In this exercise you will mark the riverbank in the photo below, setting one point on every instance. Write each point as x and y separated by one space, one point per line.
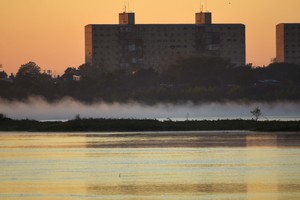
129 125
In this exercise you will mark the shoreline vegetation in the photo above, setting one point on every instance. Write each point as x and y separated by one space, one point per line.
195 79
146 125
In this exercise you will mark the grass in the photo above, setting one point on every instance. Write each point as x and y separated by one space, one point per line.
127 125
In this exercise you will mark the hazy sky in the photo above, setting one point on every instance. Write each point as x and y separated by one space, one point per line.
51 32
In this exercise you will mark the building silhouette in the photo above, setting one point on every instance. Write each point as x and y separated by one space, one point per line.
133 46
288 43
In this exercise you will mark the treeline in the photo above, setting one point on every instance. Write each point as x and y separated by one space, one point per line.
129 125
194 79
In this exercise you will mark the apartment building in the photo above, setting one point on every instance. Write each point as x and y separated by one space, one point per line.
133 46
288 43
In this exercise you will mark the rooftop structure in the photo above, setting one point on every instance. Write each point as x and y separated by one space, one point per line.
203 18
132 46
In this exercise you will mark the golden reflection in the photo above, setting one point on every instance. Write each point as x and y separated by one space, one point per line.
171 172
262 175
42 187
149 166
42 140
167 140
261 140
171 189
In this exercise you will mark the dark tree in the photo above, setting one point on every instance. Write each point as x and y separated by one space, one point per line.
3 74
256 112
28 73
91 72
69 73
199 71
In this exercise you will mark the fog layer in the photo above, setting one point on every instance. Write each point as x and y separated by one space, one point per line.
38 109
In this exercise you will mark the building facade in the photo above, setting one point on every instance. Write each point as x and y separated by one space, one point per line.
288 43
132 46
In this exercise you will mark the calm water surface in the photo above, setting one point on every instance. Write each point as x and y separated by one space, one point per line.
182 165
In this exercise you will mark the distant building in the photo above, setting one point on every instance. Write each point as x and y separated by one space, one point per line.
288 43
76 78
132 46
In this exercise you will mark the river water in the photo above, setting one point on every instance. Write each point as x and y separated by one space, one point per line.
144 166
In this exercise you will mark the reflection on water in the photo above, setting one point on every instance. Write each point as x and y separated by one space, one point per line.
189 165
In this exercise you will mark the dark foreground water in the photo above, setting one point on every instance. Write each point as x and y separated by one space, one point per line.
183 165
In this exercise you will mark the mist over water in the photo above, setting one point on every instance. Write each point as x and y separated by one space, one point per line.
39 109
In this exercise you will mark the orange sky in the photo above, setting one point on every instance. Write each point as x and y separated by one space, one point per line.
51 32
